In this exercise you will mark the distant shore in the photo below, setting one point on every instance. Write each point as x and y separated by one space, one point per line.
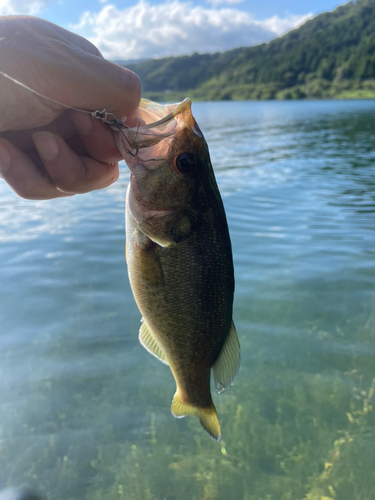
329 57
314 89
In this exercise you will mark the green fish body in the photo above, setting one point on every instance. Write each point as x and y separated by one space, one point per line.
180 259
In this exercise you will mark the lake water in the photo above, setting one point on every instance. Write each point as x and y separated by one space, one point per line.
85 410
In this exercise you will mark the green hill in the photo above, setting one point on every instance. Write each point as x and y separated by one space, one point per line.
332 55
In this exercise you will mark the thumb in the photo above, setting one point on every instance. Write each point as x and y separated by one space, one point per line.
106 85
62 66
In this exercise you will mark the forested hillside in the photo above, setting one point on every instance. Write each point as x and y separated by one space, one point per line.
332 55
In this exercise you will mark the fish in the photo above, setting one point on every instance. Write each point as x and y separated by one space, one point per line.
179 256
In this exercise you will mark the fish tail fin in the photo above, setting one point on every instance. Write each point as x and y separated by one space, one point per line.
207 416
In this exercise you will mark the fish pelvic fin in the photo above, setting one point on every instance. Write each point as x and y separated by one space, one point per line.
225 369
207 416
149 342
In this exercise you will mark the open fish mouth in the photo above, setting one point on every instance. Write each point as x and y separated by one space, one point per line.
159 122
150 141
165 123
154 114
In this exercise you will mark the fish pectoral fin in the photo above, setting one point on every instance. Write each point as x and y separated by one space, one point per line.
207 416
225 369
147 339
148 262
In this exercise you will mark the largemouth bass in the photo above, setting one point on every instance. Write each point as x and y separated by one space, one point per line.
179 257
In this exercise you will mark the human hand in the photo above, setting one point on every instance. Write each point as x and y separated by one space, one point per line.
46 150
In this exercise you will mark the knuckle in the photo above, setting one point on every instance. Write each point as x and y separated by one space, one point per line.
115 174
67 184
25 195
112 176
25 192
89 177
68 179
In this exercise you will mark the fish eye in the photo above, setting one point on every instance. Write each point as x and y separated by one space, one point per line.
185 162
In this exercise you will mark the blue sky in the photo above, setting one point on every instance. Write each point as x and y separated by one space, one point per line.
134 29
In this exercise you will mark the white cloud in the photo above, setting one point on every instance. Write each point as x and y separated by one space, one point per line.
215 3
25 7
175 28
281 26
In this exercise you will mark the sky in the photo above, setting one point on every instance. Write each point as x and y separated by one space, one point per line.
140 29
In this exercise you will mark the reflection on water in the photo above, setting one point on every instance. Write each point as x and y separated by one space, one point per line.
85 410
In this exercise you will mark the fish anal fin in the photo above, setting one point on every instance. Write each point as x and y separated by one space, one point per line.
147 339
207 416
225 369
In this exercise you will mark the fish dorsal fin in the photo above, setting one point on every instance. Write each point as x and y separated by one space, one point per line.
226 367
147 339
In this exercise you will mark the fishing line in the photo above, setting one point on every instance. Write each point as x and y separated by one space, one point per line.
101 115
104 116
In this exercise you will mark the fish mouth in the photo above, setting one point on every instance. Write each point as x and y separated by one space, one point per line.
150 111
140 208
159 124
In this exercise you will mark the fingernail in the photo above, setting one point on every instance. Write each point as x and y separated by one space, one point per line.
5 157
82 122
46 145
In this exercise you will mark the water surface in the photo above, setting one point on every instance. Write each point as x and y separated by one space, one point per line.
85 410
